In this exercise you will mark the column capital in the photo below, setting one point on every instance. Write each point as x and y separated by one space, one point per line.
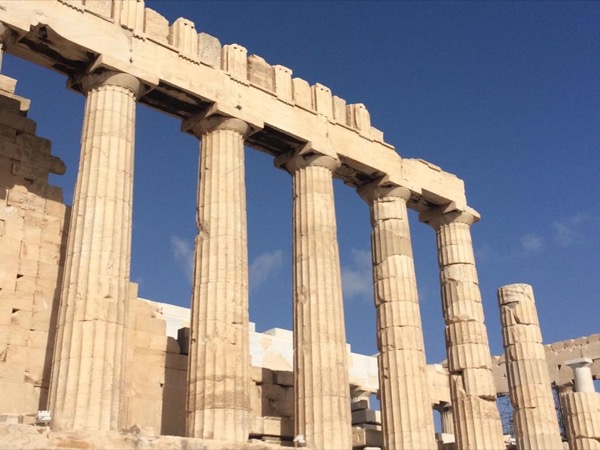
200 125
442 406
99 78
447 214
382 188
582 374
579 362
306 157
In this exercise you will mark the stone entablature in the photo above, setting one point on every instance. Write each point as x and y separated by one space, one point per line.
188 73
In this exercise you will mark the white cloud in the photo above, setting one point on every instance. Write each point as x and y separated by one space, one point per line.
485 253
531 243
565 230
357 277
264 266
183 253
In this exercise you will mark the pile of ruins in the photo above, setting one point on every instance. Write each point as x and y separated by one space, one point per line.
85 363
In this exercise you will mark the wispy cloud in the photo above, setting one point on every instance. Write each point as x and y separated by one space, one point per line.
485 253
357 277
183 253
566 230
264 266
532 243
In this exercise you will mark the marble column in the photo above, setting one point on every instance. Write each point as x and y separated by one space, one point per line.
407 418
581 408
446 417
218 398
86 386
473 393
535 420
321 385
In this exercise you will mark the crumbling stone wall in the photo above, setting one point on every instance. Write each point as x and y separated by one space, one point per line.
32 221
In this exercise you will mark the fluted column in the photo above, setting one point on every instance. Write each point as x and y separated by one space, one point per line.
218 398
321 386
581 408
476 419
86 386
535 420
447 419
406 413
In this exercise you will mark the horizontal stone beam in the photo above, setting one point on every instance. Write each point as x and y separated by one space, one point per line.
187 73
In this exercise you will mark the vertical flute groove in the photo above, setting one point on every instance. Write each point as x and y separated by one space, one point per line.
87 370
321 386
218 376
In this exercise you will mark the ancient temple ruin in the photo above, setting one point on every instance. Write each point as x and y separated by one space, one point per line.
90 363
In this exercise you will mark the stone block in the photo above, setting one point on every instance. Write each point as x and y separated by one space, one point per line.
27 275
26 286
521 334
19 302
284 378
38 339
209 50
362 437
464 356
16 355
10 373
151 325
272 426
148 340
377 134
55 209
100 7
256 375
183 36
360 404
21 318
361 416
10 104
156 26
339 110
183 339
302 93
32 142
5 314
260 73
17 122
468 332
234 61
176 362
276 400
358 117
18 397
173 418
7 84
479 382
145 413
322 100
283 83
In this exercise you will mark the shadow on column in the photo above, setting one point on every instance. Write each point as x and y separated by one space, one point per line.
174 390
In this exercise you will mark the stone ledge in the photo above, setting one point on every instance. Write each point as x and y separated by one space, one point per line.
28 437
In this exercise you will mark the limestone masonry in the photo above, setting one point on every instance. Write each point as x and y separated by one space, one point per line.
86 363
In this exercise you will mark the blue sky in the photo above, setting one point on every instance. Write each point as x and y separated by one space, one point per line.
504 95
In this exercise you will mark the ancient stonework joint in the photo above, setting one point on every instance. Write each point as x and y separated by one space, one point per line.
307 157
102 77
200 125
448 214
382 188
